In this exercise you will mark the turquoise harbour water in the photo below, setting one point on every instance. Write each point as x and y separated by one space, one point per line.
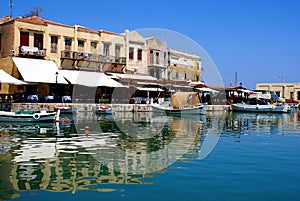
143 156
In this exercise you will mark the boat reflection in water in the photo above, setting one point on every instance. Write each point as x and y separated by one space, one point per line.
238 123
97 150
119 149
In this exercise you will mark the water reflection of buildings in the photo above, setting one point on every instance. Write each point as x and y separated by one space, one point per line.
260 123
120 150
87 160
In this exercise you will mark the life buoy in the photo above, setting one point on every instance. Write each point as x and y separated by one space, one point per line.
36 116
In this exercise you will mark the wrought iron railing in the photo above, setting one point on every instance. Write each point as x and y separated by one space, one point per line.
91 57
31 51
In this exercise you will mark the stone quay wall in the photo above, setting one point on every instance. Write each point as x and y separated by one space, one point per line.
89 107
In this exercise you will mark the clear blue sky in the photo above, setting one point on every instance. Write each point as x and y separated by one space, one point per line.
258 39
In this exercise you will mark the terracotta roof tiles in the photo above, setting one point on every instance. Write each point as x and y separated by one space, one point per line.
38 20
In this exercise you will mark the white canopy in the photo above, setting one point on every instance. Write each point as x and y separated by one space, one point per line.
149 89
8 79
206 89
133 76
90 79
38 70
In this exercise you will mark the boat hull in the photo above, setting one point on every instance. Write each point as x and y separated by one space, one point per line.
259 108
197 110
36 117
105 111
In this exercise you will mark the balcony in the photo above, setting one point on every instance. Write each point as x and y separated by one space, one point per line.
83 56
157 64
185 66
32 52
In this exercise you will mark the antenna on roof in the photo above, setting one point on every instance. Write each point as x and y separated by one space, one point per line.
11 7
235 78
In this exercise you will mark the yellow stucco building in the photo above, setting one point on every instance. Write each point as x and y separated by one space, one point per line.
284 90
80 48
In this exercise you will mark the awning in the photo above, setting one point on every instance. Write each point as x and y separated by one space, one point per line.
90 79
8 79
149 89
206 89
133 76
38 70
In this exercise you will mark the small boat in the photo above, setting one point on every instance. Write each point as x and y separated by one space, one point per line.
28 116
260 103
182 103
272 108
105 110
66 109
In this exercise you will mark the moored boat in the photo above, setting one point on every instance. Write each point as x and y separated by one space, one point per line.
105 110
243 107
66 109
28 116
261 103
182 103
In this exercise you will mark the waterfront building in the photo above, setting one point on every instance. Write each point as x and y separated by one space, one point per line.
49 46
284 90
158 58
52 49
136 56
184 66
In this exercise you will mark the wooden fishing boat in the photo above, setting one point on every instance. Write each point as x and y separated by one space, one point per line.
182 103
28 116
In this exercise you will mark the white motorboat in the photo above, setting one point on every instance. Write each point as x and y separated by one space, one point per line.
260 103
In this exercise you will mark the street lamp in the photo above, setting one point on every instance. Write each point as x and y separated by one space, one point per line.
56 89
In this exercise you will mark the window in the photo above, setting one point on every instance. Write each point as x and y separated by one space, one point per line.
151 56
174 60
197 66
152 72
139 54
105 49
93 46
68 43
54 40
184 62
24 38
157 57
177 75
38 41
117 51
158 73
81 45
131 50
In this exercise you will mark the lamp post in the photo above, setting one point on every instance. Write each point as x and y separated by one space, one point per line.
56 89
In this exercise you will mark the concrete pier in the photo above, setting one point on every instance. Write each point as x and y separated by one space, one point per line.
88 107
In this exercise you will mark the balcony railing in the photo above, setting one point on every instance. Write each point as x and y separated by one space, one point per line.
185 66
83 56
158 65
31 51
